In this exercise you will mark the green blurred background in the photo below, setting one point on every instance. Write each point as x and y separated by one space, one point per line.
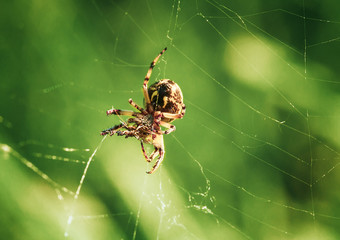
255 157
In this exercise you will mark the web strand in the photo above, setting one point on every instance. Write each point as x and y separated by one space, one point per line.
76 195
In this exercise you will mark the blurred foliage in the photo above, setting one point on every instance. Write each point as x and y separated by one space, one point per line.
255 157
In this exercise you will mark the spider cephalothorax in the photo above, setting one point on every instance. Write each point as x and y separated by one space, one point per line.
163 104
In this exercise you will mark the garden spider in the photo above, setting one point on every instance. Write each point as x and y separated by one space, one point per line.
163 104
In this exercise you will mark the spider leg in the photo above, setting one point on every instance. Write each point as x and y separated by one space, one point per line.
134 120
112 130
147 77
174 115
127 133
170 127
183 110
115 129
159 160
135 105
156 122
121 112
151 157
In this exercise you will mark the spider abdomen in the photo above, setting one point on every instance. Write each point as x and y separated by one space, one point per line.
166 96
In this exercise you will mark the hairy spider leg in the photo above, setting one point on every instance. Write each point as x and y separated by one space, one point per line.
135 105
170 127
156 122
127 133
120 112
112 130
152 155
134 120
174 115
158 162
183 110
147 77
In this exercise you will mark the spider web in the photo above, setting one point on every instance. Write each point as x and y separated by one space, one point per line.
255 157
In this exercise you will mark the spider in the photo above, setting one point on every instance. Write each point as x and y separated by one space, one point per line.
163 104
